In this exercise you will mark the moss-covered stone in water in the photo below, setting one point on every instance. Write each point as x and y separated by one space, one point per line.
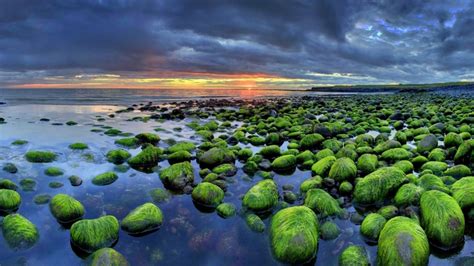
321 202
376 186
28 184
75 180
396 154
323 166
437 154
151 138
41 199
294 235
436 167
428 143
345 188
311 141
147 158
159 195
403 242
145 218
53 171
313 182
329 230
40 156
216 156
107 257
463 192
408 194
104 179
182 146
442 219
387 145
177 176
78 146
372 225
463 153
404 165
354 255
343 169
452 140
10 168
262 197
271 151
304 157
458 171
388 211
207 195
19 232
90 235
66 209
128 142
226 210
367 163
179 156
7 184
118 156
19 142
284 163
255 223
226 169
10 200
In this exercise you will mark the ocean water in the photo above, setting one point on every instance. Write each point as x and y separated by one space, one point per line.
187 236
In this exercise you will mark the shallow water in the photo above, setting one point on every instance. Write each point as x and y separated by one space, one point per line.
187 236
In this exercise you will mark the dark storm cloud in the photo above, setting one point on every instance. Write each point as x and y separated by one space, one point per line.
325 41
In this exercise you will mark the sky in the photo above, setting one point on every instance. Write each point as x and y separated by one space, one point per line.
283 44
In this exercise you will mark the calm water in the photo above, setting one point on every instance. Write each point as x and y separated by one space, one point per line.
187 236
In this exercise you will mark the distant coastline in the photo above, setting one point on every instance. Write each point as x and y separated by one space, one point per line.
399 88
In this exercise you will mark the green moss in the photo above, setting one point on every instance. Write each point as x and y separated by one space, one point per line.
19 232
343 169
128 142
442 219
28 184
436 167
207 195
376 186
430 181
437 154
402 242
71 123
90 235
463 153
182 146
78 146
323 166
294 235
428 143
159 195
406 166
75 180
147 158
348 152
180 156
19 142
387 145
313 182
226 169
304 157
262 197
112 132
322 203
329 230
354 255
41 199
345 188
118 156
216 156
284 163
388 211
323 153
255 223
151 138
10 168
226 210
367 163
53 171
463 192
40 156
177 176
244 154
271 151
458 171
418 161
104 179
10 200
55 184
7 184
145 218
66 209
408 194
396 154
372 226
311 141
107 257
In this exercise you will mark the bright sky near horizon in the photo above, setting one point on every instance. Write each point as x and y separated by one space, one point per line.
233 44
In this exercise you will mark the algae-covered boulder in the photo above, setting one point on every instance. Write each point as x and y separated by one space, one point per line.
182 146
396 154
40 156
177 176
255 223
372 226
463 153
367 163
19 232
442 219
284 163
311 141
294 235
107 257
226 210
128 142
463 192
226 169
104 179
207 195
90 235
321 202
10 200
78 146
387 145
262 197
53 171
148 138
376 186
329 230
118 156
66 209
458 171
10 168
313 182
8 184
436 167
271 151
180 156
323 166
428 143
216 156
404 165
343 169
452 140
408 194
403 242
354 255
145 218
147 158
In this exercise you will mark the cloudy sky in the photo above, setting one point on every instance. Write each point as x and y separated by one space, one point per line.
233 44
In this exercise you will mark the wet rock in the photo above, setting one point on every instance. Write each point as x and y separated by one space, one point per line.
143 219
90 235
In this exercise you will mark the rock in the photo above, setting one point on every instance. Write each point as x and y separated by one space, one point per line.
207 195
311 141
41 199
104 179
159 195
107 257
10 200
143 219
313 182
323 166
179 156
403 242
321 202
367 163
376 186
255 223
463 153
271 151
442 219
182 146
90 235
75 180
216 156
343 169
354 255
262 197
177 176
388 211
387 145
329 231
284 163
7 184
128 142
294 235
396 154
458 171
118 156
408 194
436 167
345 188
150 138
53 171
78 146
226 169
452 140
10 168
19 232
428 143
404 165
147 158
226 210
66 209
463 192
372 226
28 184
40 156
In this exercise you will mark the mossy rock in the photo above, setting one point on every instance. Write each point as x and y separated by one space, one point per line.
41 199
387 145
323 166
404 165
294 235
437 154
90 235
408 194
40 156
378 185
463 192
323 153
226 169
19 232
226 210
427 144
7 184
442 219
436 167
284 163
311 141
322 203
118 156
403 242
53 171
271 151
207 194
372 226
159 195
107 257
329 231
388 211
430 182
128 142
345 188
304 157
28 184
19 142
216 156
463 153
343 169
354 255
104 179
255 223
452 140
75 180
313 182
458 171
181 146
143 219
179 156
147 158
66 209
151 138
10 168
78 146
396 154
262 197
10 200
367 163
177 176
